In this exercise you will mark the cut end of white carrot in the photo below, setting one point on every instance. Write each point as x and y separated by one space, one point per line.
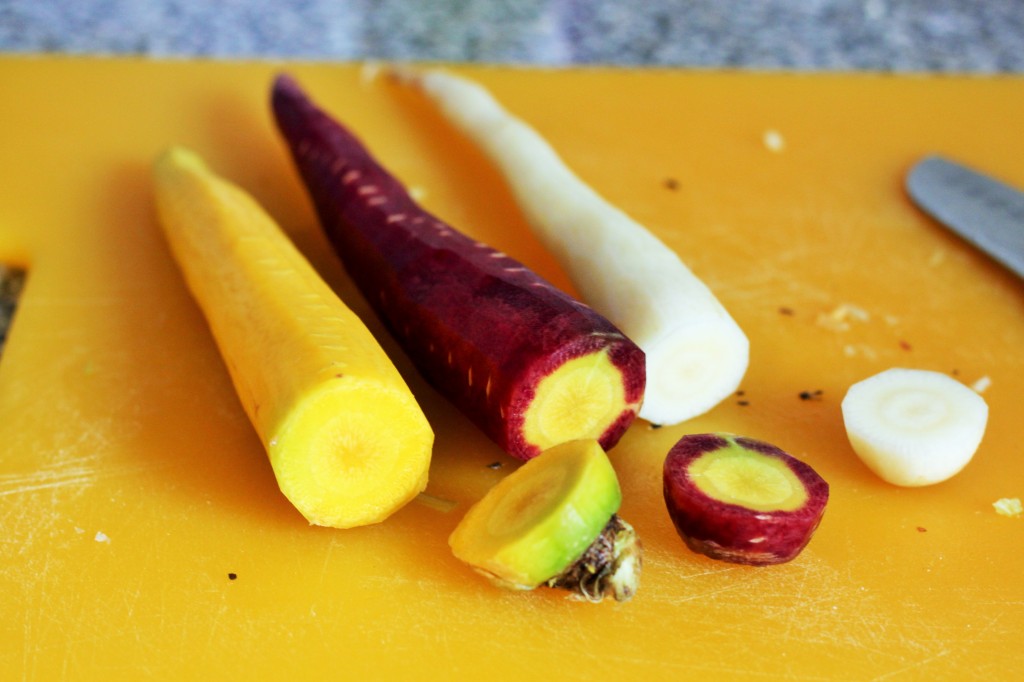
914 427
693 369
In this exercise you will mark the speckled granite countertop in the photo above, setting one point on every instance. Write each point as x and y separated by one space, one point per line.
945 36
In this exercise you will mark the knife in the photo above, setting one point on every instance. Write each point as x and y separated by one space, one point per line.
982 210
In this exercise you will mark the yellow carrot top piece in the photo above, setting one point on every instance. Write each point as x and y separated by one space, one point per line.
348 442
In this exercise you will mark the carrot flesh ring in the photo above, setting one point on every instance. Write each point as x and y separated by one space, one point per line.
527 363
348 443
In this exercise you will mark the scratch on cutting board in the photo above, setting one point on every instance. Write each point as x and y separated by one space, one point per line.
51 477
912 666
815 606
75 473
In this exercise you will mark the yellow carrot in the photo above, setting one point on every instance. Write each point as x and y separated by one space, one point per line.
347 440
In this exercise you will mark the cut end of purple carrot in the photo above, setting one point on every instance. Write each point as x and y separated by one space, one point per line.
594 395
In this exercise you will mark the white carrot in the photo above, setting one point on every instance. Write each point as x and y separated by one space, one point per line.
696 353
914 427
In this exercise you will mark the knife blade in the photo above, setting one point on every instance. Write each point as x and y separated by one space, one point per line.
982 210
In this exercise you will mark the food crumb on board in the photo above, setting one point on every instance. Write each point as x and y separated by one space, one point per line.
232 576
863 350
838 319
937 258
671 184
922 529
773 141
370 71
982 384
494 466
1008 506
102 537
811 395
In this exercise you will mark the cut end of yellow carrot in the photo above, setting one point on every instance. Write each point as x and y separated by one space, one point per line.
352 455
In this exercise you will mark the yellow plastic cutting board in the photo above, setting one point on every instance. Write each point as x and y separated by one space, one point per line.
143 535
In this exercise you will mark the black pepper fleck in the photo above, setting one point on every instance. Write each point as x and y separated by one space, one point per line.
232 576
672 184
810 395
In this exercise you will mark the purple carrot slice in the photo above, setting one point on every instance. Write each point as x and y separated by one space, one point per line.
527 363
742 500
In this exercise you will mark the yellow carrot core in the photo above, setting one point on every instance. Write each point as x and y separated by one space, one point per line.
580 399
735 475
340 463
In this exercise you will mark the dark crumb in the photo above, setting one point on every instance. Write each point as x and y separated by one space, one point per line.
811 395
232 576
741 392
904 345
672 184
922 529
12 280
654 426
785 310
743 403
494 465
955 372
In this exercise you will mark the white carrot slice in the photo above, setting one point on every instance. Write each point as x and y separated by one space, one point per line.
696 353
914 427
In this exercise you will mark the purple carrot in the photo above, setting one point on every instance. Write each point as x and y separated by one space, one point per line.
526 362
